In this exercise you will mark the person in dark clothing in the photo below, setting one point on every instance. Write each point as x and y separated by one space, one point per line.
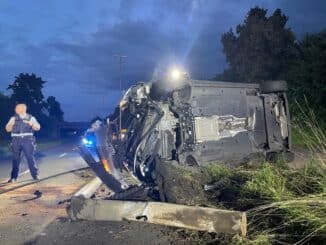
21 126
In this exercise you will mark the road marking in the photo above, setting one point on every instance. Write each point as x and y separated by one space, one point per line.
23 173
62 155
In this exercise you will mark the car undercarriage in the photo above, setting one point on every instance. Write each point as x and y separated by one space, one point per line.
188 123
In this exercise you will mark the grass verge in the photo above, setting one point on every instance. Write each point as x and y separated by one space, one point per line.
283 205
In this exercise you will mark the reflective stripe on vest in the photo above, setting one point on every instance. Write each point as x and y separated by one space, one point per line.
21 135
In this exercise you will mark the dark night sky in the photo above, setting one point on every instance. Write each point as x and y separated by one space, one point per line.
71 43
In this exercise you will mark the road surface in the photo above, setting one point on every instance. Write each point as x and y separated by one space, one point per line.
26 219
42 157
22 215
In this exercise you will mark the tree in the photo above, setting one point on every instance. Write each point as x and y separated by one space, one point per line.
28 89
54 108
260 49
5 113
307 75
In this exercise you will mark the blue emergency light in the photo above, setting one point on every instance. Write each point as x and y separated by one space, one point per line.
88 142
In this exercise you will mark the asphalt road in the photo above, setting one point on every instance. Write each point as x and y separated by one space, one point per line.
26 218
23 215
45 157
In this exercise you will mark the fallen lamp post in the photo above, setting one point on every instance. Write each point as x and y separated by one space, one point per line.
188 217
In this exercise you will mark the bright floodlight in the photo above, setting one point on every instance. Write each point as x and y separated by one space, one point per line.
176 74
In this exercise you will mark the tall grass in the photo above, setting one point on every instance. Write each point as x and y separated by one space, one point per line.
309 132
283 205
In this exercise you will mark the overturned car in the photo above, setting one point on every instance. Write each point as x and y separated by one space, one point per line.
189 123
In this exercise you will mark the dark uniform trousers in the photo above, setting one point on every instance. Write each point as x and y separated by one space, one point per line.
27 146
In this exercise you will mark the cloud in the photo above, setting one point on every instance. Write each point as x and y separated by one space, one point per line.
141 41
72 44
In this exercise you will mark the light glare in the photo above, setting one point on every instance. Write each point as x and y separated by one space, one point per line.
175 74
87 142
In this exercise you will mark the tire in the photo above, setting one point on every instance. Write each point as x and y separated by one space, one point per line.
273 86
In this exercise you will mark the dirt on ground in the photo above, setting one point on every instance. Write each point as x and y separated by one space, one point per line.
27 206
182 185
26 211
62 231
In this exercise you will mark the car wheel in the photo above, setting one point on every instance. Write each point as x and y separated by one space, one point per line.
273 86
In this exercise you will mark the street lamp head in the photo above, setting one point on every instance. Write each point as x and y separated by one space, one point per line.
177 74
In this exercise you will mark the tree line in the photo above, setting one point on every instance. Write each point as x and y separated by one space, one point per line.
264 48
27 88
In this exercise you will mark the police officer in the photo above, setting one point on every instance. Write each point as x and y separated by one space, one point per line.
21 126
